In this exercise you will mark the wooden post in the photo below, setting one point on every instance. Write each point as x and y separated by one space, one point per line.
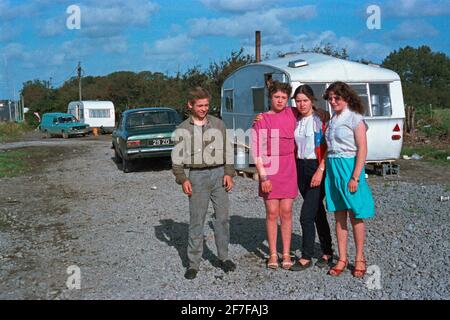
258 46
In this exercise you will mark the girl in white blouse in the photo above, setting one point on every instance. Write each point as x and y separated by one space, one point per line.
347 192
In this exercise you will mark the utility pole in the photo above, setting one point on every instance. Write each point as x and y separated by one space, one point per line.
9 107
79 79
20 107
16 111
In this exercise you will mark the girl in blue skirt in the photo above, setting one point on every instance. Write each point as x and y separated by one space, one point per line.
347 192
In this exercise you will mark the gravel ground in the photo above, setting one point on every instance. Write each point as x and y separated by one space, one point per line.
128 232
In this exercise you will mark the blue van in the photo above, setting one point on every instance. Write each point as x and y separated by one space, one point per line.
62 124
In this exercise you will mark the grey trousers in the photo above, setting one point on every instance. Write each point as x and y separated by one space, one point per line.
207 184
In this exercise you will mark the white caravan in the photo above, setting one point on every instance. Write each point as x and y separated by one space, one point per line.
97 114
244 94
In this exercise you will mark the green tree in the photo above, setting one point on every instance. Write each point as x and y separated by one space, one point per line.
219 71
425 76
329 50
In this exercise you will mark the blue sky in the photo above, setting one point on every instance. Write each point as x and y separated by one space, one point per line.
174 35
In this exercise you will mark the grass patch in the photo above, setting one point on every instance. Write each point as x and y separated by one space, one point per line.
18 162
12 163
12 131
434 124
429 153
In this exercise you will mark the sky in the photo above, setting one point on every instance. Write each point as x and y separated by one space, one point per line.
45 39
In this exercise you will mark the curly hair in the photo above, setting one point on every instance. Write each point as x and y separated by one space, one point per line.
276 86
349 95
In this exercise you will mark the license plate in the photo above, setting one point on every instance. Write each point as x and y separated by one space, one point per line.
159 142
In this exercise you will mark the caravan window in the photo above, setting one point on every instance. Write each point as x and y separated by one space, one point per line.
99 113
229 102
258 99
380 100
361 90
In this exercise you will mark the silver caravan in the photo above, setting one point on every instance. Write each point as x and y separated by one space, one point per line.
244 94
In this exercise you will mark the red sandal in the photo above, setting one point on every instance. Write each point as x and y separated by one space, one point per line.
359 273
335 272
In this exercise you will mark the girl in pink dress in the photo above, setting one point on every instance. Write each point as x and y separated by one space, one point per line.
273 148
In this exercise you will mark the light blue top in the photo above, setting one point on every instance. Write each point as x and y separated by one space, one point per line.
340 134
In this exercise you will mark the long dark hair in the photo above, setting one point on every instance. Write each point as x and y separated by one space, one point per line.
349 95
306 90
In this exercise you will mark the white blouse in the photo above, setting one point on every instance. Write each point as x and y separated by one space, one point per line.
340 134
304 138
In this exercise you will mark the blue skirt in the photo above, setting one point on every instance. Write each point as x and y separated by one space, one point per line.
337 195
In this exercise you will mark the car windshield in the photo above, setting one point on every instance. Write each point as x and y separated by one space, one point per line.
67 119
151 118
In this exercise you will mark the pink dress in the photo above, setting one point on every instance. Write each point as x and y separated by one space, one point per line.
273 141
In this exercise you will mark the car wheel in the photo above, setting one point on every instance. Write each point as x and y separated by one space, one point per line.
47 134
65 135
126 166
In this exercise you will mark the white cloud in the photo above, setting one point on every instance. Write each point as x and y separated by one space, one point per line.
8 32
80 48
412 30
67 53
15 51
169 46
52 27
10 11
269 21
416 8
109 18
238 5
171 53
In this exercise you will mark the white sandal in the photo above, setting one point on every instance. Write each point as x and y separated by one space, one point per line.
286 265
273 265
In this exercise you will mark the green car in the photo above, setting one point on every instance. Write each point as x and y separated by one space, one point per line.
63 124
144 133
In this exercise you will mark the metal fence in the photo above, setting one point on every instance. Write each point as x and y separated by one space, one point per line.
10 111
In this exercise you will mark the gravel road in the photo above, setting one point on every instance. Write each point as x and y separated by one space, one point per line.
127 235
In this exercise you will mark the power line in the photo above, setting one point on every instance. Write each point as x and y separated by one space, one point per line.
67 78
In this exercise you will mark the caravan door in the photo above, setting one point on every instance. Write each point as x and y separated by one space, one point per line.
76 109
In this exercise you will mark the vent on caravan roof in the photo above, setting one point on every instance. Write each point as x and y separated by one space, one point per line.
297 63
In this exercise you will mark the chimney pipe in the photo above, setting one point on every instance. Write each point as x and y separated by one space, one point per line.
258 46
